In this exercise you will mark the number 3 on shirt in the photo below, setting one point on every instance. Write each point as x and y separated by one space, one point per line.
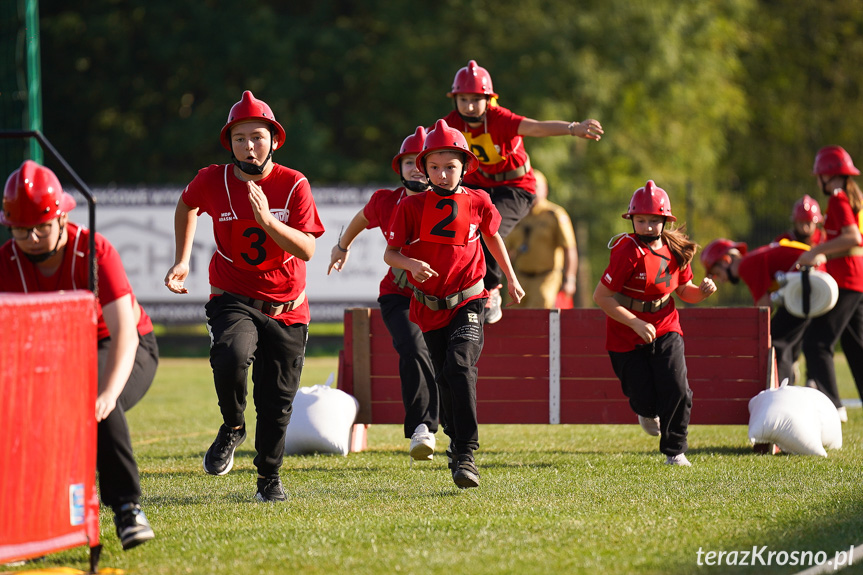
253 249
446 220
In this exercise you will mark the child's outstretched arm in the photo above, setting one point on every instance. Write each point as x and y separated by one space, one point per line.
691 293
497 248
604 298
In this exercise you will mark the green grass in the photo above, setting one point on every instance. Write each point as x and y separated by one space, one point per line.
553 499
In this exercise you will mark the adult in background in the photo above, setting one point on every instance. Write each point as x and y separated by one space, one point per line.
47 253
495 135
805 223
543 251
728 261
844 261
416 375
265 223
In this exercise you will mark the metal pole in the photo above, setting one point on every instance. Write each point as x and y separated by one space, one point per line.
34 75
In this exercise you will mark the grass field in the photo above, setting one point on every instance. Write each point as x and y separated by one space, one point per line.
553 499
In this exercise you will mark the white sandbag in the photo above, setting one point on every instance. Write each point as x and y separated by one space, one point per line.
800 420
321 421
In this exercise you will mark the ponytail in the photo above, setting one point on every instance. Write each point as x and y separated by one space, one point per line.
679 244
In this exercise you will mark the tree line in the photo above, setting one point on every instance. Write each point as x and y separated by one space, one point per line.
722 103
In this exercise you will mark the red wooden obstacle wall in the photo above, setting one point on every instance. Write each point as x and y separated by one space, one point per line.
550 366
48 380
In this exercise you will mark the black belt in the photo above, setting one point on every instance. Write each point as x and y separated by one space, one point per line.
506 176
450 301
641 305
267 307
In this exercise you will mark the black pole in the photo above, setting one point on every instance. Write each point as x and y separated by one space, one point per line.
79 184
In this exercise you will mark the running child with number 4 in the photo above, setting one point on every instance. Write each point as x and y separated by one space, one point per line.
644 338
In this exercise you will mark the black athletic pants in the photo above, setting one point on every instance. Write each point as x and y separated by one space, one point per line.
454 350
513 204
419 390
119 481
243 337
653 377
787 332
843 323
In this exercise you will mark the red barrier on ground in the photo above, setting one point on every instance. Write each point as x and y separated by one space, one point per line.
48 381
550 366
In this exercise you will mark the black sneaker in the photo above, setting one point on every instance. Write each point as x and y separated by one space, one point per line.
451 456
270 489
132 526
220 457
465 473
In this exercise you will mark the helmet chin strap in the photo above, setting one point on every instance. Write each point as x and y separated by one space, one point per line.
39 258
250 168
415 186
443 191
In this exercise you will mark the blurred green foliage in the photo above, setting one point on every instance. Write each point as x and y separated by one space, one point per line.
722 103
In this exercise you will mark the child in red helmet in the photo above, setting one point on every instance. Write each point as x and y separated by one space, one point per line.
805 223
419 391
843 255
494 134
265 223
47 252
435 237
644 338
725 260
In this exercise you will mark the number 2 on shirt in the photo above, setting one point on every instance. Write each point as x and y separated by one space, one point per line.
446 220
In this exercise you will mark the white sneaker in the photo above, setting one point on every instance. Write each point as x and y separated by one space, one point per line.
843 414
679 459
650 426
422 443
493 313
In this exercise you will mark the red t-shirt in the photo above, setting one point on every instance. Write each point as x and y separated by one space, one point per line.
637 272
247 261
759 267
379 212
459 265
498 147
847 271
19 275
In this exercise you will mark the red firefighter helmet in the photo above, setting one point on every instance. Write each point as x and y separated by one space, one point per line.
834 161
442 138
413 144
33 196
806 209
716 250
250 108
651 199
472 79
